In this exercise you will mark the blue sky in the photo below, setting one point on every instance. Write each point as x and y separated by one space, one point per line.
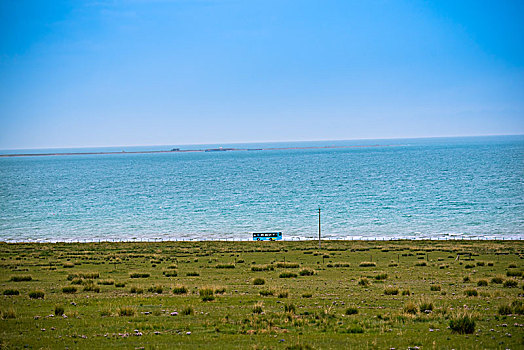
108 73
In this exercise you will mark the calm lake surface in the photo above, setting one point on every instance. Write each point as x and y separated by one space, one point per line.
413 188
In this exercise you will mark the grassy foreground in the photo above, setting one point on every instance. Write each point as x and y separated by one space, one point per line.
275 295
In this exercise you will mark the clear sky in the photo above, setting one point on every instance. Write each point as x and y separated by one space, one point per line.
108 73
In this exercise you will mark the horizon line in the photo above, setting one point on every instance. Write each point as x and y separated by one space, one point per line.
258 142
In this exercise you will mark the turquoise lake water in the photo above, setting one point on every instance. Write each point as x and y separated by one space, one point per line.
413 188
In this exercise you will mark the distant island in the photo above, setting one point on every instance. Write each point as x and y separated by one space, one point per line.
178 150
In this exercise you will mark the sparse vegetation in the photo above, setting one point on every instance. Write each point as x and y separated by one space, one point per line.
335 307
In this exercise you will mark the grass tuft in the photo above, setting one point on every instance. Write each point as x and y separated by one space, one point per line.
410 308
225 266
510 283
290 308
390 290
258 308
11 292
381 276
257 268
511 273
283 294
136 290
158 289
69 290
206 294
363 282
497 280
471 292
21 278
108 282
306 272
266 292
367 264
180 289
36 294
287 275
259 281
351 310
126 311
425 306
8 314
59 310
188 310
139 275
91 287
462 323
287 265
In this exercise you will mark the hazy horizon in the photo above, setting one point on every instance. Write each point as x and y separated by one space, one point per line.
264 142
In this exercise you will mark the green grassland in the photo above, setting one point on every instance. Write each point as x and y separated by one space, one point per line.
274 295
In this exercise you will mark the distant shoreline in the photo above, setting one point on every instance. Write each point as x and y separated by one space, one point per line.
220 149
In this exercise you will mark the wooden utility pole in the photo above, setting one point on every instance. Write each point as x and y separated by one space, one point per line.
319 228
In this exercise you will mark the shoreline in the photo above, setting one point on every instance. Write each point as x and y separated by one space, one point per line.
183 151
237 241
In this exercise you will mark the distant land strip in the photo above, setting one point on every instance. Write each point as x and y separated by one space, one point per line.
177 150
